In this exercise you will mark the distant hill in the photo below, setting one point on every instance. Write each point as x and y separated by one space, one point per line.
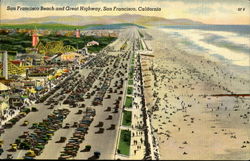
56 26
50 26
112 26
76 20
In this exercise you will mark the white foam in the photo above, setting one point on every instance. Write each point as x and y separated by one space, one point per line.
196 36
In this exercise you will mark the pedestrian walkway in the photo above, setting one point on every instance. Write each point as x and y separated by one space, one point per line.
137 148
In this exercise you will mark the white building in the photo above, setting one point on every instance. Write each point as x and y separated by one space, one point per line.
92 43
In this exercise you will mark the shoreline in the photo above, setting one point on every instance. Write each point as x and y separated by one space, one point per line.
188 121
219 45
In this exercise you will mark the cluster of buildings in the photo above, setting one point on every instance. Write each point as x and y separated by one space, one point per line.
98 33
31 72
29 31
40 31
101 33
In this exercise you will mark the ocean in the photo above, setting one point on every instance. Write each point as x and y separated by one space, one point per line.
229 43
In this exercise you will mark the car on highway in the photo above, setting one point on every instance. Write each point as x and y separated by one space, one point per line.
8 125
112 127
34 109
1 151
67 125
1 142
1 131
116 110
30 153
87 147
101 130
82 106
25 123
26 110
100 124
62 140
97 154
108 109
9 156
13 147
109 117
79 112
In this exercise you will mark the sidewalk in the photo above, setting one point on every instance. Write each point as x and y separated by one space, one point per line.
137 148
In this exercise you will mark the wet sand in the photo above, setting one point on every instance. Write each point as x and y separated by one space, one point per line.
188 122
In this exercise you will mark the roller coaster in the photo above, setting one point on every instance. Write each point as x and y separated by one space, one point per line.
49 49
14 69
54 47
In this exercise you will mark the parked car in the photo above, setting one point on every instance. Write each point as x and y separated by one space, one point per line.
79 112
25 123
101 130
62 140
13 147
87 147
1 131
110 117
34 109
108 109
1 151
97 154
112 127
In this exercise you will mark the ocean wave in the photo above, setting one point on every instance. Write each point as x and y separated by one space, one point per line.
242 30
227 46
221 41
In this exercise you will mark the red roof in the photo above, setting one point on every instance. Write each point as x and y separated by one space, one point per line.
16 62
46 57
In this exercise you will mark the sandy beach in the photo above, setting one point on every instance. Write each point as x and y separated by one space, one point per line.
188 122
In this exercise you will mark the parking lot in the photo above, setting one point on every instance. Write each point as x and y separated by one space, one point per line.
98 85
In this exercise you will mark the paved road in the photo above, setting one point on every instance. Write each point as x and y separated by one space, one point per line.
105 142
13 133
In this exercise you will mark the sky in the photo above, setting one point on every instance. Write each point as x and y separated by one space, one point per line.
206 11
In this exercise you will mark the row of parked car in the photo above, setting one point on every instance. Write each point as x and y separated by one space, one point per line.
73 145
83 86
106 78
14 120
42 132
56 88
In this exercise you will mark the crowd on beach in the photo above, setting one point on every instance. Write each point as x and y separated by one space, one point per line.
187 119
